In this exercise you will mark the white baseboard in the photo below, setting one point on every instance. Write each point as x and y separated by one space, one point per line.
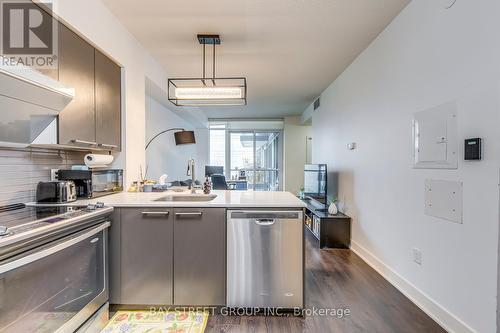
434 310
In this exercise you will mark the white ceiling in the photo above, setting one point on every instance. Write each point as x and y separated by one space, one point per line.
289 50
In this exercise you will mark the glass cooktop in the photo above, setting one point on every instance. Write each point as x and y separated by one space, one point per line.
17 219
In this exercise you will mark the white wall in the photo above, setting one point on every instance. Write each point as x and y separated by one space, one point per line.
426 56
306 116
163 156
93 21
295 136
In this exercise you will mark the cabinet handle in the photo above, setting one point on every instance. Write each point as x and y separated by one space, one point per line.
265 222
189 214
105 145
90 143
156 213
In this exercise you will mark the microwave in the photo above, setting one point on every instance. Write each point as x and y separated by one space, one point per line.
94 183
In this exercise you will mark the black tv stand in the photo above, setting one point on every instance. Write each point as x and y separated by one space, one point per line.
331 231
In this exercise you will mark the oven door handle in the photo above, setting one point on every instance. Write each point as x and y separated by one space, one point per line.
51 250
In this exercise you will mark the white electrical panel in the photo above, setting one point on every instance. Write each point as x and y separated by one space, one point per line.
435 137
443 199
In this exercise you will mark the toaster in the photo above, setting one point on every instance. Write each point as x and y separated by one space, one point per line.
56 192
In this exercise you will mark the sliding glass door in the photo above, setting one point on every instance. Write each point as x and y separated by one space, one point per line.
255 156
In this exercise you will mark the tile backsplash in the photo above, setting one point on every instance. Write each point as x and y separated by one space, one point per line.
21 170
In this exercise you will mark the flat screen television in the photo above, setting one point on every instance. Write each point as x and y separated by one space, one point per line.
315 182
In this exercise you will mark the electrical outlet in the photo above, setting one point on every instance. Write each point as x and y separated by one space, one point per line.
53 174
417 256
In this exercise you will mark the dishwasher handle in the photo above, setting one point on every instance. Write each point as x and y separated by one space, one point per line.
264 215
265 222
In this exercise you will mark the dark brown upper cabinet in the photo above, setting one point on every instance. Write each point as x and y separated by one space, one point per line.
93 118
53 73
76 69
107 102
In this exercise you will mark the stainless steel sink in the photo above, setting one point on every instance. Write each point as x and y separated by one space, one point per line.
188 197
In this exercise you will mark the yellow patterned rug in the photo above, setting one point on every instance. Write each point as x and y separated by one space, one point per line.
157 322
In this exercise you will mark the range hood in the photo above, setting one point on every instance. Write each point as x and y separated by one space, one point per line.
29 105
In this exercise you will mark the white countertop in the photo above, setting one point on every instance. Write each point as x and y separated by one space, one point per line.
229 199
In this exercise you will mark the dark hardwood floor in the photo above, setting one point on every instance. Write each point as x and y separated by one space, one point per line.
339 279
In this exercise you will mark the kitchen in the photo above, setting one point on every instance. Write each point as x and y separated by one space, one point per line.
186 166
149 262
130 250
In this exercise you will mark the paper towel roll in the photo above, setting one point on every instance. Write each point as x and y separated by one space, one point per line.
97 161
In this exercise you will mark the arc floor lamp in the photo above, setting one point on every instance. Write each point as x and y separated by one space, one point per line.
182 137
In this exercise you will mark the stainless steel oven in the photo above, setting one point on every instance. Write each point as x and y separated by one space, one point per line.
57 286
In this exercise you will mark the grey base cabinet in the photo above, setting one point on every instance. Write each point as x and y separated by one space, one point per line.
199 256
146 256
163 256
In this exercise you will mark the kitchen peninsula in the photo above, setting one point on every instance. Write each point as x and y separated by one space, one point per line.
183 249
221 199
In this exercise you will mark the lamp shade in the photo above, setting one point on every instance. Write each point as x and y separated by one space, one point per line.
184 137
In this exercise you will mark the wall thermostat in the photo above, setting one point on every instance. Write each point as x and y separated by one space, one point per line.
473 149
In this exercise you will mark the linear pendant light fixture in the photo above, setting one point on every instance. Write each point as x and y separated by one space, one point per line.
208 91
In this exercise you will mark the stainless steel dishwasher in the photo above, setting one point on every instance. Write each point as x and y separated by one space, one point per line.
265 261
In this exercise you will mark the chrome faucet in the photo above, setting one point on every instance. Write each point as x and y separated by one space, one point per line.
190 172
